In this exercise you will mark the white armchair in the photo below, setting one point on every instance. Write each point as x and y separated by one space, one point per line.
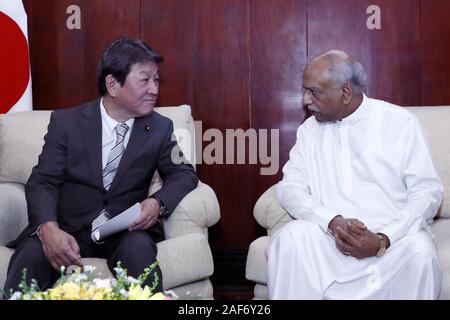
185 256
270 215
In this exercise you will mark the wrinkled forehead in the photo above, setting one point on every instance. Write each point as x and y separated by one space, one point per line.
147 67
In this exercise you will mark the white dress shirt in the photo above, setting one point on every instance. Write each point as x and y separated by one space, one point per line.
374 165
109 134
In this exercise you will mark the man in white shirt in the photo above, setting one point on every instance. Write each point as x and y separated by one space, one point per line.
361 183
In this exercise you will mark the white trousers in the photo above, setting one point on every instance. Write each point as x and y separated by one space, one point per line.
304 263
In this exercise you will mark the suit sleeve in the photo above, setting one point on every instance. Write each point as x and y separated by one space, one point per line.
42 188
179 176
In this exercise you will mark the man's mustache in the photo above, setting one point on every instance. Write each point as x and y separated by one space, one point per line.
313 109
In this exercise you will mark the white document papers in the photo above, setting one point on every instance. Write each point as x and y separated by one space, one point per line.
116 224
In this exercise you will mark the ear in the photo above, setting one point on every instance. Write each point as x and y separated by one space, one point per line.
347 91
112 85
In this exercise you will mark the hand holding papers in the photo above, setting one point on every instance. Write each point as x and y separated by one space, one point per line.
116 224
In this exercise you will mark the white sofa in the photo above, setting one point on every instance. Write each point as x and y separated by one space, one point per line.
185 256
271 216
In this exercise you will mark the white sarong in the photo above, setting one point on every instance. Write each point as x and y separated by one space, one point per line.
304 263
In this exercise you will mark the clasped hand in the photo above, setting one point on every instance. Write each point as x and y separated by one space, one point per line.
353 238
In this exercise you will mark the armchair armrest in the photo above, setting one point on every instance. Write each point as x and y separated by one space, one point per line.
13 211
269 213
198 210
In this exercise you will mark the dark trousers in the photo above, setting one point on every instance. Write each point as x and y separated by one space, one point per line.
136 250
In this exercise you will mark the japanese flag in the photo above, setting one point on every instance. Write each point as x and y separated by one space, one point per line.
15 75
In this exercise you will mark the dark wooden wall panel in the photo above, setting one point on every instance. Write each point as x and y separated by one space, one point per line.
168 26
393 53
337 25
64 61
278 56
435 63
221 100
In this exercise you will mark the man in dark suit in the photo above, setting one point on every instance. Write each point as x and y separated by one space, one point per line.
98 160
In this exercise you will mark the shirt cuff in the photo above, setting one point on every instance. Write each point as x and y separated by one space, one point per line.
325 216
394 232
36 232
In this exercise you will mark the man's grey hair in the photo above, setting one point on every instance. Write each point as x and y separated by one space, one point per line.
344 69
348 71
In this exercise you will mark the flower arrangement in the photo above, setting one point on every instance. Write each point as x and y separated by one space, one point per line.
83 285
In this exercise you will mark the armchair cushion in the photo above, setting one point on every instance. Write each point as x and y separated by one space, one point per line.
434 120
21 141
13 208
256 267
269 213
440 229
198 210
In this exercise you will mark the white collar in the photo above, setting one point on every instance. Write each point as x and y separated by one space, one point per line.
109 123
360 113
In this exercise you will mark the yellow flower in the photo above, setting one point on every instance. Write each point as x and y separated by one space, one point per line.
66 291
95 293
158 296
74 291
137 293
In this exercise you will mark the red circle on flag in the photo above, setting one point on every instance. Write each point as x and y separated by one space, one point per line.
14 63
